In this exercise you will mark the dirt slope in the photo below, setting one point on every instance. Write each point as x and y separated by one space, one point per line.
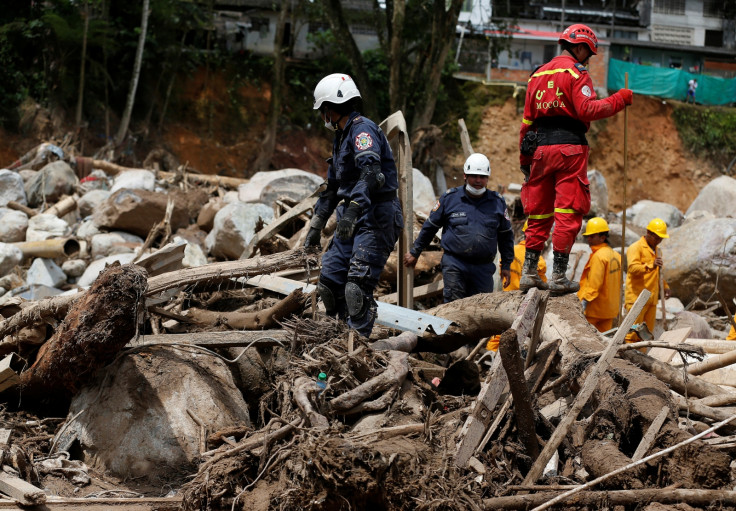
659 168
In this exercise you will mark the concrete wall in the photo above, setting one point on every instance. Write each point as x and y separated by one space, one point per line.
689 28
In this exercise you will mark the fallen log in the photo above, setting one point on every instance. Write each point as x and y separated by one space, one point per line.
690 385
604 499
95 329
220 272
235 339
713 363
230 182
586 392
266 318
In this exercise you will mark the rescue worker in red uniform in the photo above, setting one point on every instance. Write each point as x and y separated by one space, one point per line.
560 104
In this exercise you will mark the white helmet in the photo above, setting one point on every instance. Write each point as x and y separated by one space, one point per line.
477 164
335 88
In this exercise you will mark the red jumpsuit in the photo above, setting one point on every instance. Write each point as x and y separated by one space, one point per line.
560 104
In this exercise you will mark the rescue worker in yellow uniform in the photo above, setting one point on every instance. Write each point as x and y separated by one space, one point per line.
518 262
731 334
599 285
644 263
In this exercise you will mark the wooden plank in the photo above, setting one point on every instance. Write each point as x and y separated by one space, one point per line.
477 423
5 436
8 377
672 337
165 259
651 434
465 139
23 492
534 339
397 133
277 224
588 387
431 289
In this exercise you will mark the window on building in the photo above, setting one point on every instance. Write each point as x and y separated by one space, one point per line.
669 6
714 38
713 8
624 34
259 25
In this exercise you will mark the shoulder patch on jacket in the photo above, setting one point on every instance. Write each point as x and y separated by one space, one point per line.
581 67
451 190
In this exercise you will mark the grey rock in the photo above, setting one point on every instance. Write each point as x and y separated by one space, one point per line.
45 272
717 197
598 194
138 179
51 183
74 267
10 257
13 226
110 243
44 226
647 210
11 188
234 227
268 186
95 267
90 200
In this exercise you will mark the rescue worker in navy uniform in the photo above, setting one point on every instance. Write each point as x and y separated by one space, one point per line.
560 105
474 224
361 185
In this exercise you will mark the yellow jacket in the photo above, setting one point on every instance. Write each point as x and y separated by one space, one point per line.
641 273
599 284
518 263
732 333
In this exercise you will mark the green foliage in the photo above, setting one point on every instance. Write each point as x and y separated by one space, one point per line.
708 132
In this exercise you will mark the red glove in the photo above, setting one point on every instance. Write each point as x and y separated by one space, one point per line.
627 95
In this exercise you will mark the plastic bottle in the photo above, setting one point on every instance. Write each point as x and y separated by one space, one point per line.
322 380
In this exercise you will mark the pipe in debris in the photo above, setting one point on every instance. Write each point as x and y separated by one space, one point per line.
64 206
50 249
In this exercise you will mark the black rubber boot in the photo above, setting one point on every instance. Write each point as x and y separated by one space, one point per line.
529 275
560 285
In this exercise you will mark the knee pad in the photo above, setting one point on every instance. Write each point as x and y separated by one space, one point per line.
328 298
355 300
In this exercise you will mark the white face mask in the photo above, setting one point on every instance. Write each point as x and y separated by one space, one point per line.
473 191
329 126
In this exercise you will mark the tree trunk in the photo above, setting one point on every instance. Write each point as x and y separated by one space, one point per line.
347 44
443 29
125 120
83 58
263 160
397 26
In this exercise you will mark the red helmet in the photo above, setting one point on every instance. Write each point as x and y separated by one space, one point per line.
579 34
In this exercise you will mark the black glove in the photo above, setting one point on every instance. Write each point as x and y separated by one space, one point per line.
313 238
346 225
315 229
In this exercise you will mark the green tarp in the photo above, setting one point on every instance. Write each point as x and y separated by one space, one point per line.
670 83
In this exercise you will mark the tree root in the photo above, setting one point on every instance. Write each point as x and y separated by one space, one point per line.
392 377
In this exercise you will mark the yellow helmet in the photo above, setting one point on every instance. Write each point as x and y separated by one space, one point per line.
658 227
596 225
526 224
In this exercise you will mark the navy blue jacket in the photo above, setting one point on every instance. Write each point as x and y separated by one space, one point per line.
472 229
359 144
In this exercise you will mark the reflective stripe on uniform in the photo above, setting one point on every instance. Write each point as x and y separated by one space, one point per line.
526 121
555 71
569 211
540 217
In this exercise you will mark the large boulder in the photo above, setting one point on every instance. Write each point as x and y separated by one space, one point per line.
110 243
11 188
137 211
647 210
44 226
717 197
268 186
234 227
13 225
598 194
136 179
423 193
10 257
697 255
50 183
88 202
136 419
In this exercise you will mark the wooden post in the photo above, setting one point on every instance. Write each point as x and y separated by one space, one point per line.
624 262
394 126
661 294
465 139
